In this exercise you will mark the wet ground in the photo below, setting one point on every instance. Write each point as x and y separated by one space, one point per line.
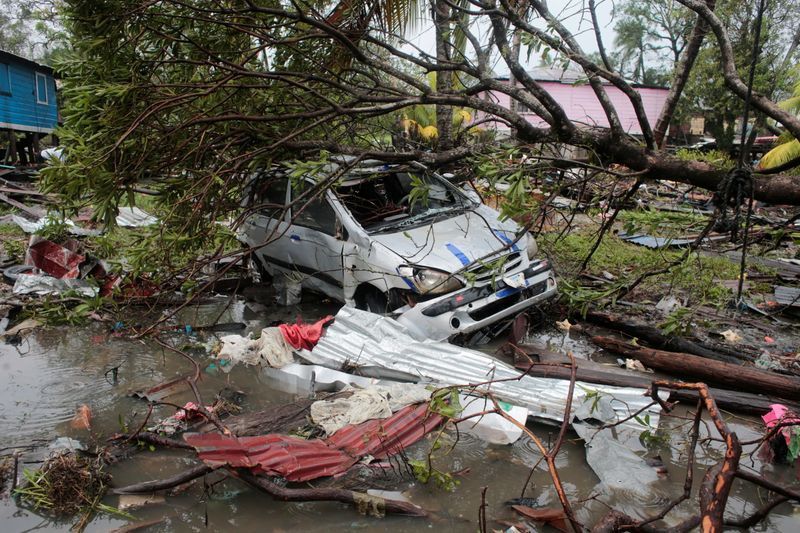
58 369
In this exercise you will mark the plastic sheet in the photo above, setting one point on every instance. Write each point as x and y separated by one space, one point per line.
617 465
492 428
43 285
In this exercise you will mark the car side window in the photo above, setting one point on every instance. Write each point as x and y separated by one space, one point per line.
273 191
318 215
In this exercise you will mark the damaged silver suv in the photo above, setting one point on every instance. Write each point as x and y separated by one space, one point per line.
396 239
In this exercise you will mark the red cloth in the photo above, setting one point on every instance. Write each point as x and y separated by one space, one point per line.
303 335
780 414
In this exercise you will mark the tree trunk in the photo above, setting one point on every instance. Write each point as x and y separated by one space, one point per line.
682 71
734 401
366 504
653 336
444 78
516 47
734 377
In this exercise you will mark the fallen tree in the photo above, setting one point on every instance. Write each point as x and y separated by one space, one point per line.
652 335
187 99
734 377
590 372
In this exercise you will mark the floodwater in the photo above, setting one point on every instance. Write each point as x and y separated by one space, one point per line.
58 369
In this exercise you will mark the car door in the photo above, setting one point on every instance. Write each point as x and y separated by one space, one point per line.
316 242
270 222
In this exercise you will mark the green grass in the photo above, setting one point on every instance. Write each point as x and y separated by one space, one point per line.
661 223
696 279
11 230
716 158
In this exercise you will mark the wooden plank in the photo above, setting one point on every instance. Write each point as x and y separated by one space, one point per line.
32 211
23 192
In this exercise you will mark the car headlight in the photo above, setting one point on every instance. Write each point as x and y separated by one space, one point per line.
532 247
428 281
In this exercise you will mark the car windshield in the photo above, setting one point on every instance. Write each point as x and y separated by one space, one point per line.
394 199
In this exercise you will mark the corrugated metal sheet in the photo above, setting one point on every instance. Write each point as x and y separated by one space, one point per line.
133 217
360 338
277 455
297 459
787 295
382 438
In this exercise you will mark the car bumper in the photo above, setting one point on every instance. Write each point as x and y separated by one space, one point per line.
474 308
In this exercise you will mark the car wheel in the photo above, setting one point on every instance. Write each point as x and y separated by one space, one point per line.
373 300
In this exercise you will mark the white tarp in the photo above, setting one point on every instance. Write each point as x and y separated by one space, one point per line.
128 217
32 227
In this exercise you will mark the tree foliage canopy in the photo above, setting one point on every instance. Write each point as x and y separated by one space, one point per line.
650 37
186 97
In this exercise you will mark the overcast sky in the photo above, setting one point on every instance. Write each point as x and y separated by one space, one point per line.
571 14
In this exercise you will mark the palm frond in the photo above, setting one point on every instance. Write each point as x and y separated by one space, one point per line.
780 155
791 104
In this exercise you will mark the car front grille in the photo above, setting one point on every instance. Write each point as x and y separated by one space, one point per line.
503 303
488 269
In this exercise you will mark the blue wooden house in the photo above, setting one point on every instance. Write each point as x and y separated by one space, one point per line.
27 101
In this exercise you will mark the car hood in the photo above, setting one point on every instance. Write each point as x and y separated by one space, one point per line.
453 243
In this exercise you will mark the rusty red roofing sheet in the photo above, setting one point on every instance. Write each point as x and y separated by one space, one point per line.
297 459
388 436
277 455
54 259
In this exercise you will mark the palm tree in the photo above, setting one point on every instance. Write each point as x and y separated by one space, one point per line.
396 16
393 16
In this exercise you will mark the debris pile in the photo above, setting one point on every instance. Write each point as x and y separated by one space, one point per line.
65 485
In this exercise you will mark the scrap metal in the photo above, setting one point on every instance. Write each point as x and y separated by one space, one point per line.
296 459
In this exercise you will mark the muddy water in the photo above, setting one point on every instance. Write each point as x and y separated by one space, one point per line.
57 369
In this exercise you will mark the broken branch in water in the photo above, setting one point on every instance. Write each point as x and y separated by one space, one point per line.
364 502
192 381
168 483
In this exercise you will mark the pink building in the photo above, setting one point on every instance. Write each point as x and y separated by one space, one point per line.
572 91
